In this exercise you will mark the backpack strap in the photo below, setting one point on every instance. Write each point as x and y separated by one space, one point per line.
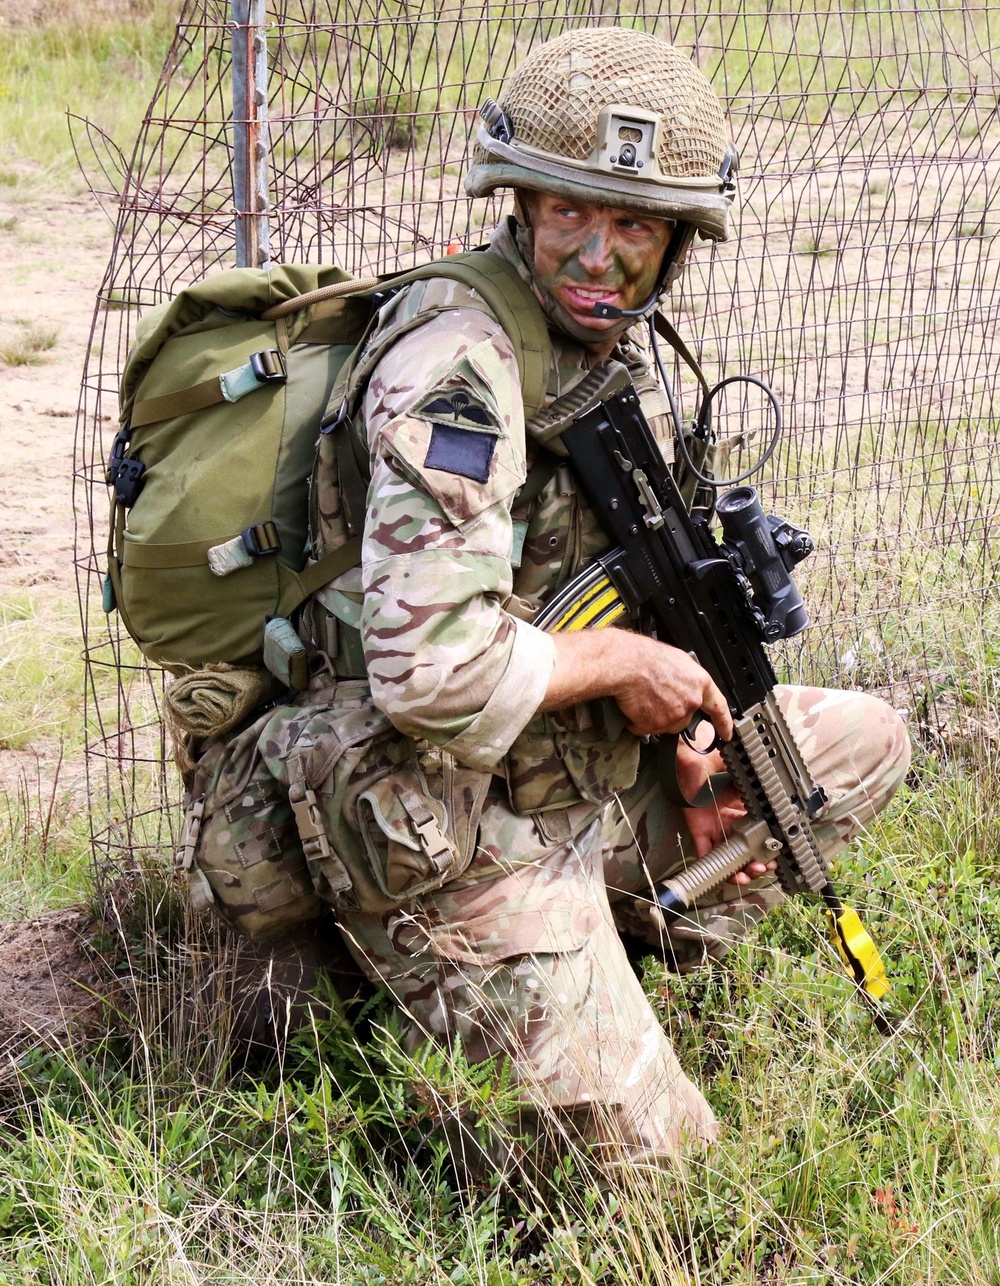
669 333
264 368
512 301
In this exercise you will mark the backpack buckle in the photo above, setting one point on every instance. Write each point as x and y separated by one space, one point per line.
129 482
269 366
261 539
124 473
118 449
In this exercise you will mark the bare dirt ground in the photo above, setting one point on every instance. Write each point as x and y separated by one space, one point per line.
52 258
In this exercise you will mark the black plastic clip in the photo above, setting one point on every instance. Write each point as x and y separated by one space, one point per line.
125 474
261 539
130 482
269 366
118 449
498 122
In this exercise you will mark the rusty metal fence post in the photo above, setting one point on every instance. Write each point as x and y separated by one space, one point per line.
251 142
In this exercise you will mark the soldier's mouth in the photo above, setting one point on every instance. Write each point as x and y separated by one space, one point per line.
581 299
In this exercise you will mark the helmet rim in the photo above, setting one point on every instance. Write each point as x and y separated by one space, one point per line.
612 116
704 203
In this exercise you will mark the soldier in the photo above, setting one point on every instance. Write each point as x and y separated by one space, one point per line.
517 752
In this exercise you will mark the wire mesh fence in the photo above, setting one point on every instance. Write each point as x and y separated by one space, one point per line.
863 285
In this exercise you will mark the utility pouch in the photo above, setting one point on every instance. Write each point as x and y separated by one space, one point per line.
241 853
583 753
380 820
419 823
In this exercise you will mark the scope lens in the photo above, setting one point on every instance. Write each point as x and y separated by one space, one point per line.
735 501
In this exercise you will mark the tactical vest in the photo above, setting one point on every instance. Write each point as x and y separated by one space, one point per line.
574 759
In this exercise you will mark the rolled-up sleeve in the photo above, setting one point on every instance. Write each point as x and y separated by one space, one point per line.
445 423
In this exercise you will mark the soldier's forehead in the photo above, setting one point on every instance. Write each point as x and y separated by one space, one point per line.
539 200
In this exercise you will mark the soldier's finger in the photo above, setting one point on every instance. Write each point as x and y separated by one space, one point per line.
714 705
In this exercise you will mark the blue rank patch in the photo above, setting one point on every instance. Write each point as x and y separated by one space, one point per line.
462 451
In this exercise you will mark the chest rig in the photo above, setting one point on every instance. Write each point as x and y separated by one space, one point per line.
565 764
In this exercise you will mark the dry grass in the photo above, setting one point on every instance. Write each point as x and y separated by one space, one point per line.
27 343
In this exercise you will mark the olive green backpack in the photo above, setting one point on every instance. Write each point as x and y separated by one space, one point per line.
222 399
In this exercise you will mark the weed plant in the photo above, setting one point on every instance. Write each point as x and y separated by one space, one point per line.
27 343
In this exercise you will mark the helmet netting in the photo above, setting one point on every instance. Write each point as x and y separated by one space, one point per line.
556 94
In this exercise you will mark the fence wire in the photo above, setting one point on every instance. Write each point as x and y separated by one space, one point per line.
862 285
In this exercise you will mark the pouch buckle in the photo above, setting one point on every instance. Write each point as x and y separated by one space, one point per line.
433 841
330 875
309 823
184 859
199 889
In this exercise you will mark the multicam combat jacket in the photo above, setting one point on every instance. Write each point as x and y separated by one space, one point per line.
454 570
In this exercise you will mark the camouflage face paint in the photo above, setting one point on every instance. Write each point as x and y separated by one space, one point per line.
586 254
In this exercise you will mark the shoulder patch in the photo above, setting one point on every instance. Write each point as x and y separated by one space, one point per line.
458 450
456 425
465 423
461 400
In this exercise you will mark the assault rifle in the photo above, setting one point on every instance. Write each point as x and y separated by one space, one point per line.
720 601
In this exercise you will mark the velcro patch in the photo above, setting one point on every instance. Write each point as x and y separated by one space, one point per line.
457 406
462 451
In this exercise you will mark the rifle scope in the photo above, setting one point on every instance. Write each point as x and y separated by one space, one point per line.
764 549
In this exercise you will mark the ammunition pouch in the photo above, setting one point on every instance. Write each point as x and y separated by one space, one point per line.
323 803
584 753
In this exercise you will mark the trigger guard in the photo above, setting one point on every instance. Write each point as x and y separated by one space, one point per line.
688 735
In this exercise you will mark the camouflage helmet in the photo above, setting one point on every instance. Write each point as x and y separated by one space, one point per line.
612 116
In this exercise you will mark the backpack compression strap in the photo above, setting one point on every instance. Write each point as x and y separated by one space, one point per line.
511 300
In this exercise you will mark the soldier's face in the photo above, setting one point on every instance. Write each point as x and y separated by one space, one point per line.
587 254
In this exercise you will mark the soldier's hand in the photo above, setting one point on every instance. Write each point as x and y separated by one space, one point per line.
658 687
711 824
663 688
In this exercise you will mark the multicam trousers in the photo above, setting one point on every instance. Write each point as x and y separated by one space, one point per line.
521 957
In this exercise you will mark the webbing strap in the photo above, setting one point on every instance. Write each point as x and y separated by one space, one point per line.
517 310
301 584
540 474
666 329
353 475
184 402
264 367
194 553
190 553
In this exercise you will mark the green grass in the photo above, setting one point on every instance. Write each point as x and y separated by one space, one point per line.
847 1156
89 63
43 673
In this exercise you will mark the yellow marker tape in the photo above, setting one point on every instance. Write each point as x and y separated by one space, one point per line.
614 613
856 948
600 589
592 609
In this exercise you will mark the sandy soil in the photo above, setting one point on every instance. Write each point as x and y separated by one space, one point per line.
52 257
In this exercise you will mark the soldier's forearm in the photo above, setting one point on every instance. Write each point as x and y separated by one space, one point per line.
587 665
